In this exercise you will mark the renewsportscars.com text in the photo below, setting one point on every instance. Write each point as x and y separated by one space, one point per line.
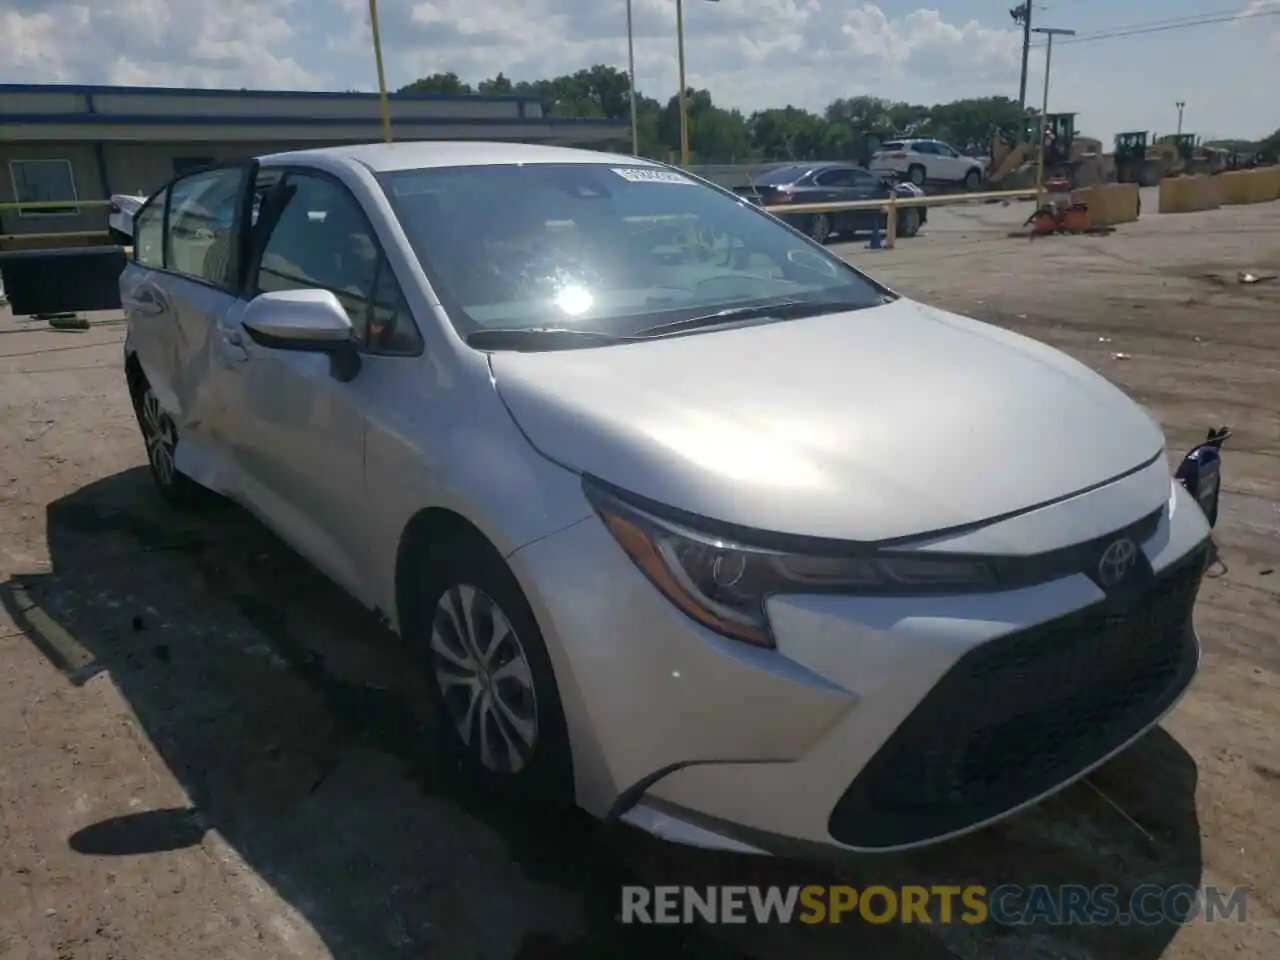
1008 905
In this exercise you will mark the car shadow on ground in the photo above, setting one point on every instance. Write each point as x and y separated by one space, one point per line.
289 715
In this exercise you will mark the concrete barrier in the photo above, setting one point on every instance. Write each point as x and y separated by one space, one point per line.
1109 203
1190 194
1249 186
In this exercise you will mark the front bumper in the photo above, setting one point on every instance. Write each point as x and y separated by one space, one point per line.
879 723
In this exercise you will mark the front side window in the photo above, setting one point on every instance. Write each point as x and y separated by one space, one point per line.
202 215
314 236
613 249
781 176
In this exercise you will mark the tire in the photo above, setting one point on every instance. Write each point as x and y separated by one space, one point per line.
160 435
818 227
973 179
909 222
917 174
502 722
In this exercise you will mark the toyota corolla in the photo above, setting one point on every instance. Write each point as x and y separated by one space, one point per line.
690 521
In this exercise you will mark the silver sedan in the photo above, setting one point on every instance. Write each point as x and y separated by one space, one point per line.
692 522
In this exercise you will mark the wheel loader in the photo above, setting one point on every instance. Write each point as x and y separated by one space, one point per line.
1136 160
1070 161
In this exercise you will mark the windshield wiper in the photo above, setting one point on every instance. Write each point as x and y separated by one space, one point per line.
538 338
786 310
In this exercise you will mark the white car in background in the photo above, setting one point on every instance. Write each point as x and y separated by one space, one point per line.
120 219
927 161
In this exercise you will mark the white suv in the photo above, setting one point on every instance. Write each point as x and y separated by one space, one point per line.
927 161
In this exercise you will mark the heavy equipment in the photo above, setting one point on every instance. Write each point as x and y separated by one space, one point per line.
1136 161
1070 161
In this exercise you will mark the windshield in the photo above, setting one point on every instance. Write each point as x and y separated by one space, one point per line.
618 249
782 175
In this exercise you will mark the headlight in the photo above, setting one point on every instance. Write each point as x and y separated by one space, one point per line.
723 584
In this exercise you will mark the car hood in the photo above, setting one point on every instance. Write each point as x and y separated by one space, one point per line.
876 424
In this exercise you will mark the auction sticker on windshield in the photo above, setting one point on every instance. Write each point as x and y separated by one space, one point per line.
645 175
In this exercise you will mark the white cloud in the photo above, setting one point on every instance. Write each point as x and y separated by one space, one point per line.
749 53
231 43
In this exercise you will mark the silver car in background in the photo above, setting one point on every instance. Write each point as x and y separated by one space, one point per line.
691 522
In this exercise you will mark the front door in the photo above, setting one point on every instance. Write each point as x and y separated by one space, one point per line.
297 432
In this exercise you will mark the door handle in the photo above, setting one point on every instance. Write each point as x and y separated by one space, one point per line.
144 304
231 346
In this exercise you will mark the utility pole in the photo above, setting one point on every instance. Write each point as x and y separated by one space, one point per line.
1022 15
1180 104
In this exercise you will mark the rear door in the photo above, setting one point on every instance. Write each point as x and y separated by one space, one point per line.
184 276
925 154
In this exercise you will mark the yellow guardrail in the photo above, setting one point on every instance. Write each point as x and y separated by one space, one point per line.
892 204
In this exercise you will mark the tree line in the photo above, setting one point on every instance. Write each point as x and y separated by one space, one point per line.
719 135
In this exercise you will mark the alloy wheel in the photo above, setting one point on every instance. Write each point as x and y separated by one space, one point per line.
910 225
160 435
820 227
485 679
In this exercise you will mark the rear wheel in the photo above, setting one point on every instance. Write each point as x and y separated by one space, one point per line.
916 173
160 434
819 227
908 222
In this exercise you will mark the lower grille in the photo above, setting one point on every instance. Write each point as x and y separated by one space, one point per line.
1017 716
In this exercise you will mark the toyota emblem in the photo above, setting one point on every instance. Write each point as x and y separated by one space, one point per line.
1117 562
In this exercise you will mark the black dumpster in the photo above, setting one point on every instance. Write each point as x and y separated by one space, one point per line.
70 280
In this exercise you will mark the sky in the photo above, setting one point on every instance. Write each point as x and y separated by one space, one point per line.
750 54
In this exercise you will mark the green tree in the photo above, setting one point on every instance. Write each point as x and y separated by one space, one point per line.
437 83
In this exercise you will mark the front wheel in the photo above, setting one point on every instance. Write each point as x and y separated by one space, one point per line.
491 682
916 174
819 227
973 179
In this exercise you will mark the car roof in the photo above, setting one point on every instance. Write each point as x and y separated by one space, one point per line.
416 154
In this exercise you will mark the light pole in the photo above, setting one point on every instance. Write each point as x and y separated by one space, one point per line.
631 71
1180 104
1049 32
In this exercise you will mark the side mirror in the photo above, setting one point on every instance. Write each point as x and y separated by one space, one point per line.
305 321
1201 473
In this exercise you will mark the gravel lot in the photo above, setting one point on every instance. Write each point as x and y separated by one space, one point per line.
206 751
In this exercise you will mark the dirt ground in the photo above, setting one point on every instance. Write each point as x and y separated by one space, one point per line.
206 751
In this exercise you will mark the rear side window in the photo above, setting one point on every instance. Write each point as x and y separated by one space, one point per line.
202 215
892 145
148 233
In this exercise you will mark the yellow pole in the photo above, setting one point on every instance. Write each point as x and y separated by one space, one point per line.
1044 110
631 73
684 114
382 77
